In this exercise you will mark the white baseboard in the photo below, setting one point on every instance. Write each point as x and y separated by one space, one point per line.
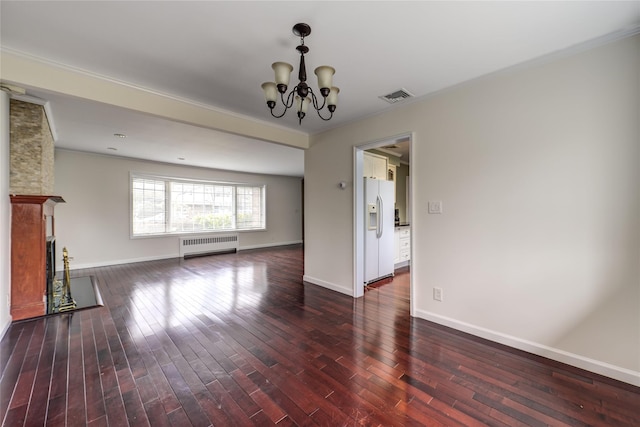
328 285
76 266
598 367
269 245
5 328
401 264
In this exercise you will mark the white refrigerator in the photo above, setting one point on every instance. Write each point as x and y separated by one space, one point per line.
379 201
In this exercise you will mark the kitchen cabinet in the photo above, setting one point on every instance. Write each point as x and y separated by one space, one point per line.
375 166
391 176
402 253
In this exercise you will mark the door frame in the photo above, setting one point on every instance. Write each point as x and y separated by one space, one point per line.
358 210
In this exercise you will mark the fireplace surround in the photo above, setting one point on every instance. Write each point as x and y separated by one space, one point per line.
32 226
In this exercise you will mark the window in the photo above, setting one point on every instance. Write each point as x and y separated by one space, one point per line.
168 205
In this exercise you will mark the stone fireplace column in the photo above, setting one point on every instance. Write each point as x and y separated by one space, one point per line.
32 204
32 170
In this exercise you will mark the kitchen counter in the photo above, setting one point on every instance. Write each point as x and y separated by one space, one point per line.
403 224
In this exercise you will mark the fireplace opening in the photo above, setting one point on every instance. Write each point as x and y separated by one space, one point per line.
51 261
50 257
70 293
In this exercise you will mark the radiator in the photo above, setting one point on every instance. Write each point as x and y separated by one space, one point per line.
204 245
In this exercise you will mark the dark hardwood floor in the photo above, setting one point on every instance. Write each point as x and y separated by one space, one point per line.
238 340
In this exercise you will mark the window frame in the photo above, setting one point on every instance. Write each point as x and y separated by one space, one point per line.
168 180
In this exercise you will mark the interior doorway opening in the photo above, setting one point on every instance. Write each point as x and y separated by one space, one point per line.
368 162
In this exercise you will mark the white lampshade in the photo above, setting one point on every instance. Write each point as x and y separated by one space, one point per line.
325 75
283 72
270 91
332 99
305 104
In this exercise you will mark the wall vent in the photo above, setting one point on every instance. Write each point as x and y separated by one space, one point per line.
396 96
206 245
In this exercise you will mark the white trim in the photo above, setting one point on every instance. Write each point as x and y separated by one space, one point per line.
171 256
402 264
185 179
119 262
5 213
5 328
328 285
415 225
387 151
596 366
358 223
269 245
358 211
30 99
52 126
168 180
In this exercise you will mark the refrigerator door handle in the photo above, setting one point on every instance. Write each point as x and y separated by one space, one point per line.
380 218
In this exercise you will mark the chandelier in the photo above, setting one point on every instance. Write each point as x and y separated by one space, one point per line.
302 95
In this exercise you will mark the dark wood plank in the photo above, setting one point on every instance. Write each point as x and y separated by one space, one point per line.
240 340
37 413
94 399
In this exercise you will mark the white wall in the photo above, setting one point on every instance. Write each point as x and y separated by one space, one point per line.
94 222
5 215
538 169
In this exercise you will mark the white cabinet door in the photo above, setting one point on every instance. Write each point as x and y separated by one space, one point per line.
367 166
403 245
391 176
380 168
374 166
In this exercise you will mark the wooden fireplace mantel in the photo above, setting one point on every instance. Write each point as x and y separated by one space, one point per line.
26 198
32 222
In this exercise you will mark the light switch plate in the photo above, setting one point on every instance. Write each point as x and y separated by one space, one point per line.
435 207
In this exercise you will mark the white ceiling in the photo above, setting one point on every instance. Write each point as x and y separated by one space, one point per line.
217 53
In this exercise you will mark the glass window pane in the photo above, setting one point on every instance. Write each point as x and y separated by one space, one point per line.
148 205
250 212
194 207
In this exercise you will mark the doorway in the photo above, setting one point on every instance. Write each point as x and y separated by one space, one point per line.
390 146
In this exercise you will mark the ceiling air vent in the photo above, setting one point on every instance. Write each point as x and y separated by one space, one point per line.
396 96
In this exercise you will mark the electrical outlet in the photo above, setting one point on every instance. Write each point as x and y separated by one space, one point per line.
437 294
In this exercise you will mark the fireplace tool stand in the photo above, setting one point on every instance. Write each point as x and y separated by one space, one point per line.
62 299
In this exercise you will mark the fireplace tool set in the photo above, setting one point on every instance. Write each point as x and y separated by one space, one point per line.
62 299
